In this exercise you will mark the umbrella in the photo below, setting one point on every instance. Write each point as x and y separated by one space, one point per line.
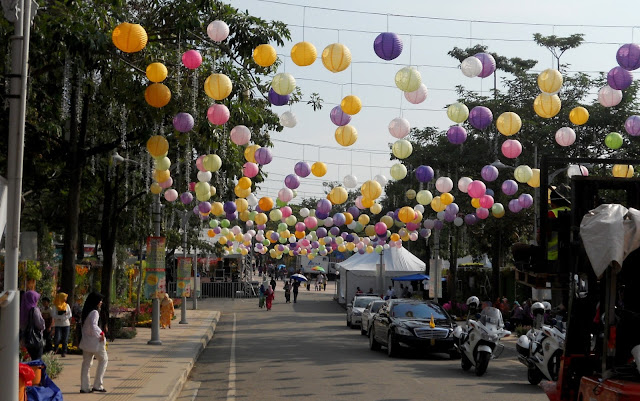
299 277
281 267
318 269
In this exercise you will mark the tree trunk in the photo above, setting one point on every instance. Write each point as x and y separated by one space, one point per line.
453 267
108 233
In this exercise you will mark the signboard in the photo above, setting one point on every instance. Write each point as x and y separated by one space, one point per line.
183 288
155 284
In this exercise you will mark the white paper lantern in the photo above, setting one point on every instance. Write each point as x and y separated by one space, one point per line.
240 135
458 221
382 180
204 176
288 119
565 136
350 181
419 208
444 184
440 215
304 212
609 97
218 31
463 184
399 127
575 169
417 96
471 67
252 200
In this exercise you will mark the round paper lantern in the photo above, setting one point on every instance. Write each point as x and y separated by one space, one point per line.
277 100
579 115
157 146
156 72
283 83
575 169
463 184
456 134
546 105
166 184
488 64
339 117
482 213
632 125
351 105
628 56
371 190
486 201
471 67
339 196
509 187
211 163
410 194
550 81
244 183
218 31
288 119
155 188
476 189
408 79
218 114
424 173
444 184
534 182
380 179
346 135
302 169
240 135
565 136
619 78
162 163
264 55
523 173
613 140
618 170
406 214
292 181
218 86
402 148
376 208
458 112
399 127
387 45
514 206
508 123
609 97
191 59
171 195
336 57
263 156
183 122
511 148
437 205
129 38
480 117
489 173
417 96
250 169
285 195
157 95
319 169
525 200
205 176
186 198
424 197
303 54
398 171
265 203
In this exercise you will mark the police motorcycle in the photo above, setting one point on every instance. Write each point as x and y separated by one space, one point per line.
540 350
479 342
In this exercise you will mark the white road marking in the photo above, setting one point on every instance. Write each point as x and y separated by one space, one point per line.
231 392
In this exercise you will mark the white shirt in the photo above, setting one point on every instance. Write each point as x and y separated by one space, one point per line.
61 320
91 333
391 292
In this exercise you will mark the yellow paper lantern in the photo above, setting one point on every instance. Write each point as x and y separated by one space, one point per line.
523 173
156 72
265 203
245 215
348 218
241 193
261 218
410 194
418 218
161 175
424 197
217 209
304 54
406 214
371 190
370 230
319 169
222 240
398 171
283 83
408 79
387 220
394 237
446 198
458 112
546 105
550 81
155 188
250 153
157 145
363 219
264 55
369 249
212 190
437 205
346 135
622 171
336 57
402 149
579 115
218 86
367 203
129 38
534 182
157 95
351 105
244 183
508 123
475 202
212 163
376 208
275 215
342 248
339 195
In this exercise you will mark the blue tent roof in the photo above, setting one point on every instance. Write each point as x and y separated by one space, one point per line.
413 277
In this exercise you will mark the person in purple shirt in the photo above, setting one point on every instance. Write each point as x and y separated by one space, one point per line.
30 313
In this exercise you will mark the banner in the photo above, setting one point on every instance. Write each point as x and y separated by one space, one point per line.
155 284
183 288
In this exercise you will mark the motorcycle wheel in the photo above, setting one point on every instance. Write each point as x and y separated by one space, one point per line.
465 362
554 365
392 346
534 376
373 344
482 362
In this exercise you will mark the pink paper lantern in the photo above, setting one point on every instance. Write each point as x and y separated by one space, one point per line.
191 59
417 96
482 213
285 195
476 189
486 201
199 163
218 114
565 136
286 210
399 127
310 222
166 184
511 148
250 169
609 97
171 195
240 135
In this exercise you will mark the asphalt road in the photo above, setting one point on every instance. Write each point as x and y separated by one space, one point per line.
305 351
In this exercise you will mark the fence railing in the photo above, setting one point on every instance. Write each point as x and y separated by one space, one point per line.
221 290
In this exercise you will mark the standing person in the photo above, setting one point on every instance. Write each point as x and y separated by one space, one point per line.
308 283
31 324
47 315
391 293
296 286
76 312
270 296
166 311
273 283
92 344
318 282
262 295
324 282
62 318
287 292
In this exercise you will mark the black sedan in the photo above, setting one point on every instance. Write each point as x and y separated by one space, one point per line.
423 325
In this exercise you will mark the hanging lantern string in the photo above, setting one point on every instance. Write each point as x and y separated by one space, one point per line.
387 22
351 161
410 49
470 33
351 69
302 152
401 96
304 12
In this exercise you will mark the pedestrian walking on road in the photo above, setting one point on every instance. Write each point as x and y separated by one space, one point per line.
296 286
270 297
262 295
93 345
273 283
166 311
32 324
62 319
287 292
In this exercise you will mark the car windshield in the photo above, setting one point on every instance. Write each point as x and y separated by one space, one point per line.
490 315
375 306
418 311
362 302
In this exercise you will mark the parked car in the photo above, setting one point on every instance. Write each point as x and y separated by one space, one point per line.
367 315
356 307
423 325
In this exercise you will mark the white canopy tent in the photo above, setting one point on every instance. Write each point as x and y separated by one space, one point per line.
360 271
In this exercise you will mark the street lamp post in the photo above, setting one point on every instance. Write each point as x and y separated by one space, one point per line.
155 306
194 294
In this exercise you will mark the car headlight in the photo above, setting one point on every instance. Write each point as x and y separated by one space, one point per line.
402 331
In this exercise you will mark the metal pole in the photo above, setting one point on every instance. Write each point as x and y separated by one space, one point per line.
195 275
437 283
20 15
183 305
380 273
155 311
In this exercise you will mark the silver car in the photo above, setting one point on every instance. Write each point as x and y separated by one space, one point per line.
367 315
355 309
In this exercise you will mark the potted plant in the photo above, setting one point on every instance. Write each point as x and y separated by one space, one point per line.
33 274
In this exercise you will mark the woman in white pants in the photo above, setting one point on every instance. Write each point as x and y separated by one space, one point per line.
92 345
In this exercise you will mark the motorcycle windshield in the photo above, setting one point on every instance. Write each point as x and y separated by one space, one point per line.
491 315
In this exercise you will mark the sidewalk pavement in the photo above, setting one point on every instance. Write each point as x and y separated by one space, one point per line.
138 371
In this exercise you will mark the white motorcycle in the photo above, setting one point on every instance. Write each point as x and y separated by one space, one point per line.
540 350
480 341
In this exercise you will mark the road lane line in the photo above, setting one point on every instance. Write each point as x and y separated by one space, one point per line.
231 392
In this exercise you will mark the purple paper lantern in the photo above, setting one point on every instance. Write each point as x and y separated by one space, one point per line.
424 232
323 206
457 135
321 232
482 213
428 224
321 215
480 117
231 216
387 45
339 219
263 156
525 200
509 187
437 225
302 169
514 206
292 181
489 173
424 173
339 117
204 207
619 78
277 100
229 207
632 125
470 219
452 208
354 212
334 231
186 198
488 64
628 56
183 122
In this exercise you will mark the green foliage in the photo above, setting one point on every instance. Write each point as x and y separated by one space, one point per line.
126 332
53 364
33 270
